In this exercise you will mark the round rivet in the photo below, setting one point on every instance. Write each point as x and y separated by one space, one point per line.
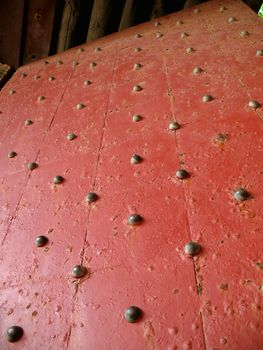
46 62
92 64
137 36
174 126
179 22
136 159
87 82
222 8
159 35
41 98
75 64
12 92
137 66
207 98
197 70
28 122
136 88
41 241
253 104
24 75
58 179
51 78
259 53
80 106
36 77
14 333
189 50
192 248
12 154
196 11
133 314
79 271
156 24
184 35
97 49
71 136
81 49
92 197
32 166
182 174
241 194
135 219
231 19
136 118
244 33
137 49
59 63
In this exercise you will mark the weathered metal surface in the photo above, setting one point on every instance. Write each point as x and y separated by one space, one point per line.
212 300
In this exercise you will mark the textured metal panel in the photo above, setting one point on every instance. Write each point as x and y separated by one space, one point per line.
210 301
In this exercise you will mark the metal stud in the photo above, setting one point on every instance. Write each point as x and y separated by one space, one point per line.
87 82
244 33
133 314
32 166
136 88
157 24
59 63
80 106
189 50
97 49
196 11
75 64
81 49
184 35
174 126
179 22
241 194
192 248
136 159
135 219
28 122
159 35
207 98
71 136
58 180
12 92
36 77
137 49
136 118
79 271
92 197
41 98
14 333
137 66
259 53
222 8
51 78
24 75
197 70
92 64
253 104
231 19
137 36
41 241
12 154
182 174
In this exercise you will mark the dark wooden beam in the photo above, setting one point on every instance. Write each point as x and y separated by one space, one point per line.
105 18
5 73
128 14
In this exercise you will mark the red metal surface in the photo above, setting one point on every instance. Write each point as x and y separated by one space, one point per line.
211 301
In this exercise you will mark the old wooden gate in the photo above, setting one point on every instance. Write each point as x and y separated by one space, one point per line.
131 189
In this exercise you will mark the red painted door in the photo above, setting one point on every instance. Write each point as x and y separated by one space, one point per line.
113 126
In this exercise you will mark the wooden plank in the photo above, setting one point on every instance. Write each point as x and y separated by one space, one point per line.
11 23
38 29
5 73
